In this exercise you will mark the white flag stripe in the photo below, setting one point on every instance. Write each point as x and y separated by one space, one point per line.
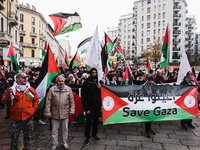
41 89
184 68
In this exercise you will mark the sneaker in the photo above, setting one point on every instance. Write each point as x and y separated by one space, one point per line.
147 134
184 127
190 125
53 148
87 141
41 122
96 138
65 146
152 132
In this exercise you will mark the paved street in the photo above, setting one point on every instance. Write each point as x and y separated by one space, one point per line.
169 135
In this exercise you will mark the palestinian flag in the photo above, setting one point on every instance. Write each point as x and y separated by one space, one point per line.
11 55
109 44
164 50
75 61
49 70
64 65
127 104
83 46
29 93
115 42
44 52
113 65
66 59
78 108
127 80
148 65
119 52
64 22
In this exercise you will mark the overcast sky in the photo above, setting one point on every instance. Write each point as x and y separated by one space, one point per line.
104 13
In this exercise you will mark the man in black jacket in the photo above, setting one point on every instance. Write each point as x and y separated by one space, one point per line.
91 100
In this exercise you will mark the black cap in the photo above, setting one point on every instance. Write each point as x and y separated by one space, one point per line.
189 73
151 77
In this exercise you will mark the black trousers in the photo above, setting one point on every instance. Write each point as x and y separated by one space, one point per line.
93 116
186 121
147 126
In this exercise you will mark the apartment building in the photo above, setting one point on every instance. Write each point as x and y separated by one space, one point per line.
190 34
9 28
197 43
151 18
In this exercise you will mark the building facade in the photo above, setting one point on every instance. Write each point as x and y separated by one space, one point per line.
113 33
151 18
9 27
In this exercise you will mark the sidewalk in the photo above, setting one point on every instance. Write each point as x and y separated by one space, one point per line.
169 135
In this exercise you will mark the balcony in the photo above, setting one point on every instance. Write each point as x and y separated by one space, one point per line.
177 16
12 18
33 46
190 28
177 7
33 34
176 40
21 32
5 39
176 24
28 45
176 49
2 7
177 32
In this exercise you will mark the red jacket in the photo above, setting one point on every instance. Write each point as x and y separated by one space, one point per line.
24 108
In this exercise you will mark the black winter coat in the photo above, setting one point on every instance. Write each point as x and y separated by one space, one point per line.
90 95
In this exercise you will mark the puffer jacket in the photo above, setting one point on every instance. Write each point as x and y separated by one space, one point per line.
24 108
59 102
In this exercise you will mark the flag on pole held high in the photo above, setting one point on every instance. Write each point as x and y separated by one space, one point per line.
148 65
93 55
75 61
44 52
66 59
11 55
115 42
127 80
164 50
83 46
119 52
49 70
65 22
109 43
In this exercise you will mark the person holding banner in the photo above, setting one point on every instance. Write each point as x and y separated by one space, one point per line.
59 105
189 80
91 100
148 130
23 102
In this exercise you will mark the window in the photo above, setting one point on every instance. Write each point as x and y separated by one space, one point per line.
2 22
148 39
159 8
142 41
148 25
32 53
148 1
163 6
142 33
142 26
142 48
33 30
154 9
158 23
10 27
154 24
142 3
148 32
158 31
33 41
163 15
159 16
154 16
142 18
148 10
124 31
148 17
39 23
163 23
21 27
33 20
142 11
21 39
154 32
158 38
124 26
129 37
21 17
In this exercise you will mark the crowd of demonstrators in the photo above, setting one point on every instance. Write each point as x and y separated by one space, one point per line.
80 78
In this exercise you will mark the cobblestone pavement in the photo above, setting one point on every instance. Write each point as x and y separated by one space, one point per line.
169 136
